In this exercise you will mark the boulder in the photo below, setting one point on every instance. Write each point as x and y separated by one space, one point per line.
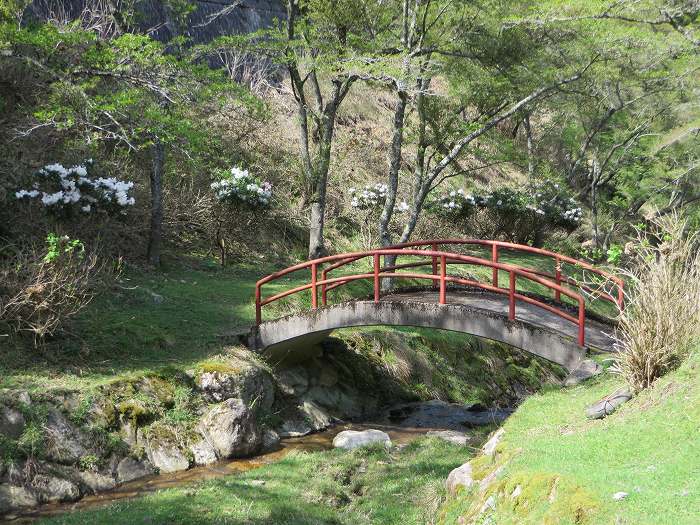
52 489
587 369
13 497
129 469
451 436
64 442
97 482
608 404
166 456
316 415
459 477
294 428
230 428
253 385
350 439
11 422
270 440
203 453
293 381
489 448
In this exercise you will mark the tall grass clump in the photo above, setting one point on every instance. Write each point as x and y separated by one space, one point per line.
661 319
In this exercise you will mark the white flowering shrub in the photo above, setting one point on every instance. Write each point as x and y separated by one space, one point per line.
66 191
372 198
240 187
526 215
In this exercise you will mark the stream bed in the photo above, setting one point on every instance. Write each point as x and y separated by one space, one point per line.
404 423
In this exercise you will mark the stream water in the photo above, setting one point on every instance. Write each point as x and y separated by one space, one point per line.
404 423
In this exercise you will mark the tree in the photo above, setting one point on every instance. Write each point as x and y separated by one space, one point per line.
122 93
325 46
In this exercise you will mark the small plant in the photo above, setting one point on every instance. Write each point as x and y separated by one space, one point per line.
240 187
661 320
89 462
68 191
41 290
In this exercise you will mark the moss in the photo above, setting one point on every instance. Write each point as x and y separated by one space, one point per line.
135 411
220 367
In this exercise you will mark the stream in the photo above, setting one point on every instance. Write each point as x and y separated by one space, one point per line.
404 423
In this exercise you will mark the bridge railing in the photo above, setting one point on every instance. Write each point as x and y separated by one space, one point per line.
614 293
439 261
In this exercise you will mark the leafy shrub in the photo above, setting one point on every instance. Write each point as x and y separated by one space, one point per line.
67 191
240 187
41 290
661 320
524 216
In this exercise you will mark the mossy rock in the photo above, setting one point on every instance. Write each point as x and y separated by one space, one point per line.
135 411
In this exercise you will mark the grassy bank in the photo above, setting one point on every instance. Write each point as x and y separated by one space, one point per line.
569 468
365 486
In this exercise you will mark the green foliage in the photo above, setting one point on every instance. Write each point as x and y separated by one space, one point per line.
526 215
57 247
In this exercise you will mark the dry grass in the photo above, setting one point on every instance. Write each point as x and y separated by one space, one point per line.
662 317
39 295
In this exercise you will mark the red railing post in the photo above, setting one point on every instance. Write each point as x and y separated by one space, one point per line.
258 306
581 322
557 278
511 297
435 264
443 280
314 291
494 258
377 285
620 296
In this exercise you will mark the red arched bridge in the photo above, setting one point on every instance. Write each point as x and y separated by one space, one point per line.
538 302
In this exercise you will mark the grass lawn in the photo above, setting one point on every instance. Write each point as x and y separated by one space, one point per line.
364 486
178 317
649 449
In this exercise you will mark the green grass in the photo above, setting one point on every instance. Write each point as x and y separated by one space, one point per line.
649 449
128 331
364 486
178 317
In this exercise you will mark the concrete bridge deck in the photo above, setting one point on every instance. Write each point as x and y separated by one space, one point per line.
478 313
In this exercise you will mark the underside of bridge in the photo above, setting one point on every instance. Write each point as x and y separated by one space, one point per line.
481 314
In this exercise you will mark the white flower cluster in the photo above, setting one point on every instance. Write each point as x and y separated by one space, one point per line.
60 188
243 187
368 197
543 200
372 197
456 200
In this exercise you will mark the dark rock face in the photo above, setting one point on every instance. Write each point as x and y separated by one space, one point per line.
211 18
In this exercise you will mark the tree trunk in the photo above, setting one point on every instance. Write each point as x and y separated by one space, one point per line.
394 168
530 146
156 229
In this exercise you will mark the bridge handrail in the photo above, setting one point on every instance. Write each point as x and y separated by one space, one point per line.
558 276
444 257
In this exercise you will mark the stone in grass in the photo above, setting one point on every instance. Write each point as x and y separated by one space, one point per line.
451 436
608 404
350 439
459 477
619 496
